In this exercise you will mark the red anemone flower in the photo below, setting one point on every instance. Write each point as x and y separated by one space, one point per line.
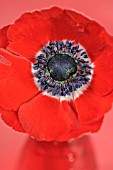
56 72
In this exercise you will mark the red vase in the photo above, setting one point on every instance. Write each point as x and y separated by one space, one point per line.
71 155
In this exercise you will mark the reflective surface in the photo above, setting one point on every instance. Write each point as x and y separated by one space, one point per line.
71 155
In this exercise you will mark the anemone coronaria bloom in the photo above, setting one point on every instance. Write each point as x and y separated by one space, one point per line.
56 72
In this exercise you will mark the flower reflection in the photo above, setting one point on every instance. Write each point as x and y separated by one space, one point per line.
74 154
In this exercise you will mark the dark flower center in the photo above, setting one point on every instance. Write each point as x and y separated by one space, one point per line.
61 67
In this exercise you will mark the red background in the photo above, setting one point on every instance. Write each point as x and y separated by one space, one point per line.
11 142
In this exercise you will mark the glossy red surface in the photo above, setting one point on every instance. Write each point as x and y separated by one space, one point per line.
11 142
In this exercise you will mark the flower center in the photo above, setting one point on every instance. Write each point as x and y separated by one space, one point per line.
61 67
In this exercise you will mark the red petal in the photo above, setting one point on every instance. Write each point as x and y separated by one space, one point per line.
94 38
85 129
81 18
3 37
46 118
52 12
23 48
90 107
102 83
11 119
28 34
64 27
73 26
16 81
